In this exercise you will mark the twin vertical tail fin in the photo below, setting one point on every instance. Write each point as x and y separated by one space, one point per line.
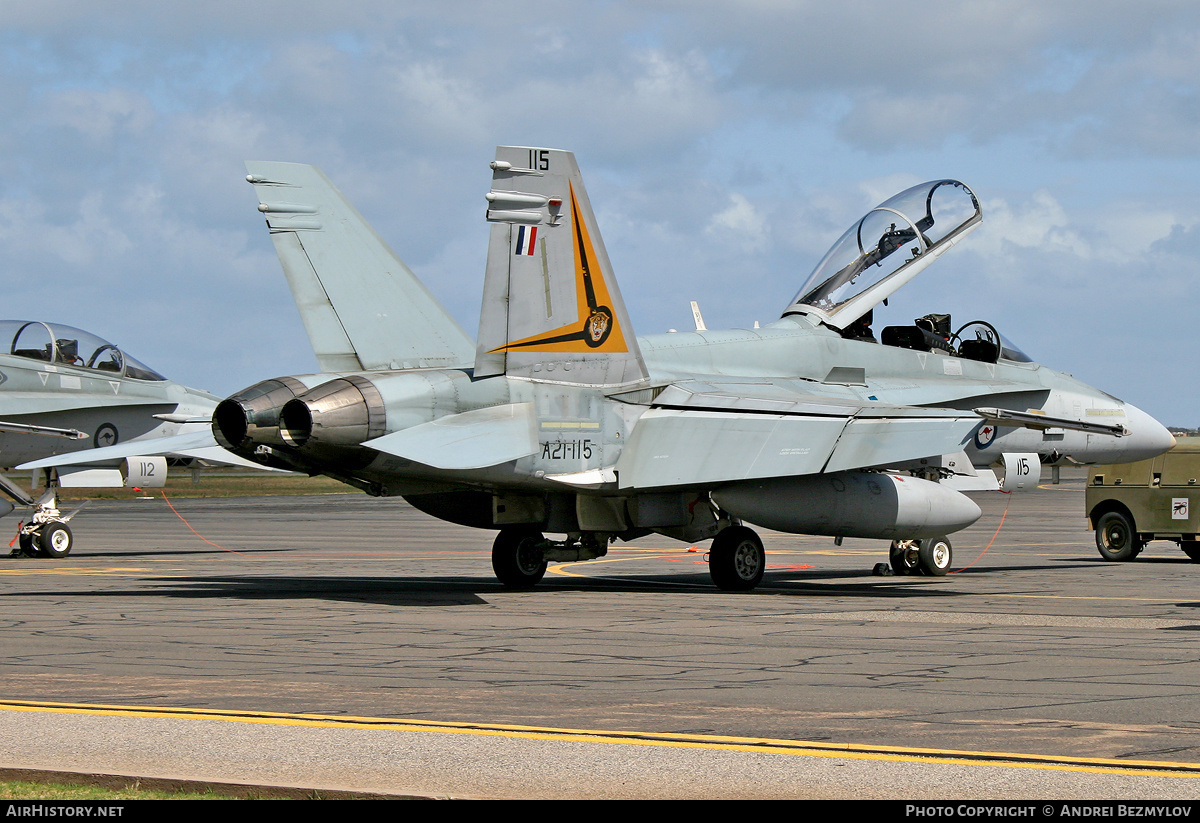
362 307
551 308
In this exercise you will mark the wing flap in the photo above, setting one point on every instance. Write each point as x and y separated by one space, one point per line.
886 441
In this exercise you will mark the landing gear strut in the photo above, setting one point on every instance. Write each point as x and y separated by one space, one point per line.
47 532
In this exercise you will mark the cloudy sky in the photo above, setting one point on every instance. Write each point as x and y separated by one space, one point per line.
725 146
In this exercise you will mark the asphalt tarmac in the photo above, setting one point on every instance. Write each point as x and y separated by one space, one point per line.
342 642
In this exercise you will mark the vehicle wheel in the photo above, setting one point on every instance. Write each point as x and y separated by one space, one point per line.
1115 537
55 540
28 544
935 556
736 560
904 557
1191 548
517 557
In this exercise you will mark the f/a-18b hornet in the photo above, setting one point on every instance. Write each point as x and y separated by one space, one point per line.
558 420
93 416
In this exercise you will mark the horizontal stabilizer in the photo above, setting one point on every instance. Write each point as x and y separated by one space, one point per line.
471 440
361 306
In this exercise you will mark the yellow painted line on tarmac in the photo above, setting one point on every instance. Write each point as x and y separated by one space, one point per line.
697 556
804 748
1083 597
63 571
561 568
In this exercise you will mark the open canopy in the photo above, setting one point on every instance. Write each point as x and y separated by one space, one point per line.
885 249
68 346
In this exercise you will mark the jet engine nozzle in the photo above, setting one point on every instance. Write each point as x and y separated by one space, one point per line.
851 504
335 415
251 417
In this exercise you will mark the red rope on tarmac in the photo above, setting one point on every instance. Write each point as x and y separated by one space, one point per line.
18 534
202 537
993 540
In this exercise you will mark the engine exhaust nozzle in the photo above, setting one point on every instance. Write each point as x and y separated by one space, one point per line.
339 414
251 417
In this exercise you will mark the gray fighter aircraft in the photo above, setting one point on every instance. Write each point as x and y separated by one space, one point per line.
67 399
559 420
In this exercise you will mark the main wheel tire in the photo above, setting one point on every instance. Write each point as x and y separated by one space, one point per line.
1115 537
517 557
904 559
935 556
55 540
736 561
1191 548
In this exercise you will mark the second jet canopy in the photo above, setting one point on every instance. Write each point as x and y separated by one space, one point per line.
68 346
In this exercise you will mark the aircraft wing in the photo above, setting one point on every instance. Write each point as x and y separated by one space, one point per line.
198 444
768 431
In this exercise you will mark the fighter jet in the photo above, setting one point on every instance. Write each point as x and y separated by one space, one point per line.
560 420
69 401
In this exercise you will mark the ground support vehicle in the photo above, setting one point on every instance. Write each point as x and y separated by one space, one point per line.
1130 504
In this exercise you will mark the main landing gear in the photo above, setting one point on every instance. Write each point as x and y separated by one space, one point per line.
518 557
736 561
520 554
930 556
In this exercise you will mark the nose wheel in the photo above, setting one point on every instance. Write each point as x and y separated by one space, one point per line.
930 556
53 540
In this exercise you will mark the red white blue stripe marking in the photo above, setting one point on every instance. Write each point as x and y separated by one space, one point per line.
526 238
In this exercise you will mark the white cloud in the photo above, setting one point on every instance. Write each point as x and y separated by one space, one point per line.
100 116
740 224
725 145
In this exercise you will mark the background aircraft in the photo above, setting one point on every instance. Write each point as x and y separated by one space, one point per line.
560 420
65 394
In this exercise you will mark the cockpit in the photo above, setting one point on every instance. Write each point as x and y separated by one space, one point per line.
68 346
887 248
977 340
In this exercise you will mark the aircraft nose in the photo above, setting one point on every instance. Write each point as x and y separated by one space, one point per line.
1147 437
